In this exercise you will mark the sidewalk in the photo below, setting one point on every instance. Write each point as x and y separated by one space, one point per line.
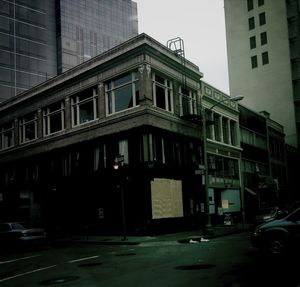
180 237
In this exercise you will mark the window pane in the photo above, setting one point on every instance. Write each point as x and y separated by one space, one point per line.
262 18
7 139
159 79
55 107
261 2
85 95
122 80
109 102
55 123
30 131
251 23
160 97
122 93
250 4
86 112
265 58
217 127
137 93
225 130
123 98
254 61
233 133
263 38
252 42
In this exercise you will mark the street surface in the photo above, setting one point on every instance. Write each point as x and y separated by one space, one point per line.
225 261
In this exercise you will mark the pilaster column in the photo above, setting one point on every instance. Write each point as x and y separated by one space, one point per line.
213 132
146 95
101 101
16 132
39 123
68 114
221 128
229 132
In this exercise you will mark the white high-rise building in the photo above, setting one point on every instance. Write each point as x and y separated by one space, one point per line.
263 47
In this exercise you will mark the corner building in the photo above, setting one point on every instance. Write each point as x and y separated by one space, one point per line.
61 139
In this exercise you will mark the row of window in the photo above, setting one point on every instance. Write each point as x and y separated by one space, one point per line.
145 147
219 166
263 40
264 60
222 129
121 93
254 167
261 20
263 35
250 4
251 138
148 147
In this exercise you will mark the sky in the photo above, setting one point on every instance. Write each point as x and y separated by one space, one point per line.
199 23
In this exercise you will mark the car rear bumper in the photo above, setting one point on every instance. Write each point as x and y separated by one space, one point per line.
36 238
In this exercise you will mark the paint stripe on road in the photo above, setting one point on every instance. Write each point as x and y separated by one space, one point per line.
26 273
17 259
82 259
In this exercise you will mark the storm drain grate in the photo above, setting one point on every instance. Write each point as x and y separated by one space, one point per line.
59 280
195 267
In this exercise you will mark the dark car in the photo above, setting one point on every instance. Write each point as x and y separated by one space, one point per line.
279 235
18 234
275 213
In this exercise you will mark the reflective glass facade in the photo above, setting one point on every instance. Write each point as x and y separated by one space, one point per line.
88 28
40 38
27 45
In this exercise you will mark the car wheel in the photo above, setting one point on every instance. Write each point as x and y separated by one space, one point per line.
276 244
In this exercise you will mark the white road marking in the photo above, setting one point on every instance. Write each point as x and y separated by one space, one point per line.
17 259
26 273
82 259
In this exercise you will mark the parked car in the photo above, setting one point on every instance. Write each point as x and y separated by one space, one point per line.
18 234
275 213
279 235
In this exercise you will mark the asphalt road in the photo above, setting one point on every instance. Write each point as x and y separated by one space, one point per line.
224 261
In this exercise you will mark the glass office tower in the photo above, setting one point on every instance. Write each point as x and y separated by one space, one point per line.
88 28
27 45
41 38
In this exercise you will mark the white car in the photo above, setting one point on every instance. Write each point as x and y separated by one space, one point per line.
13 233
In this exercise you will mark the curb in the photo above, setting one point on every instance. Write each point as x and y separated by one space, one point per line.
104 242
186 239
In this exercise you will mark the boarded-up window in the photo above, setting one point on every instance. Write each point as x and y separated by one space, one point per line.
166 197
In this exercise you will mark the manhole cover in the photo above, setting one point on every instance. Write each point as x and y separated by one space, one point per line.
195 267
59 280
90 264
126 254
